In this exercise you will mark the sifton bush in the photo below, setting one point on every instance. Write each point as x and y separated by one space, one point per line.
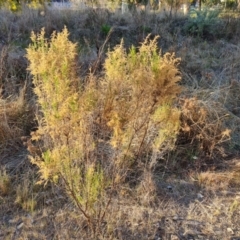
127 115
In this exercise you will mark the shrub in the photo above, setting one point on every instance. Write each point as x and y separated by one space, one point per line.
202 23
138 94
65 127
92 133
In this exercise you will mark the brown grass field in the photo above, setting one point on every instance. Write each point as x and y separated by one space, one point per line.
191 191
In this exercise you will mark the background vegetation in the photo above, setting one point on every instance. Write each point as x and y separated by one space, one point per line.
108 131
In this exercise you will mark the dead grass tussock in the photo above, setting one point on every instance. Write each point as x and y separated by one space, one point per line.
203 123
12 113
5 182
16 115
147 186
221 180
214 180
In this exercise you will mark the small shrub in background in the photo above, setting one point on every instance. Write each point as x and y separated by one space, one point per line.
202 23
105 29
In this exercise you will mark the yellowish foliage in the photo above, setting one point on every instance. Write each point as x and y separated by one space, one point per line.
52 63
65 127
133 103
138 95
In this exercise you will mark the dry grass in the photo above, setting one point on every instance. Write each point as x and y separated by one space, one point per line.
5 182
193 192
182 212
12 119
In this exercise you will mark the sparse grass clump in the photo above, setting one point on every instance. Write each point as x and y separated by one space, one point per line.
25 196
5 182
13 119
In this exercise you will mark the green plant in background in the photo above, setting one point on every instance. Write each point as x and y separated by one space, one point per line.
105 29
202 23
146 29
